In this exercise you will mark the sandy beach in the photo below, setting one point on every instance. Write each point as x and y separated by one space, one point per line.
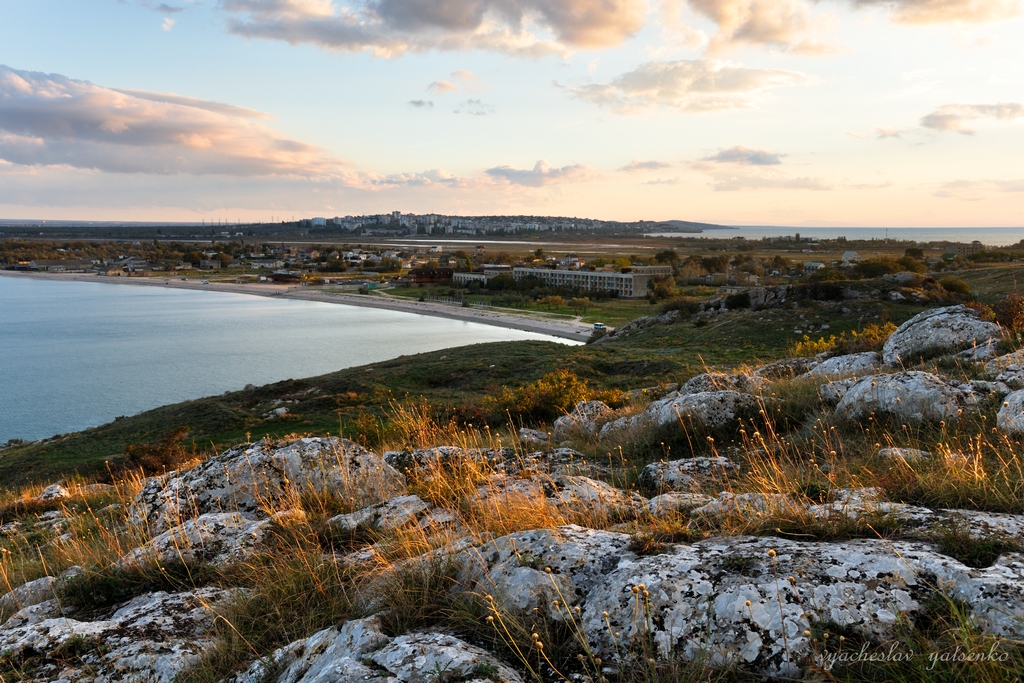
566 329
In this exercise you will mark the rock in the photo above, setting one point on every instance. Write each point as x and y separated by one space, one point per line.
151 638
1001 362
896 296
685 474
574 494
729 598
250 478
720 381
916 396
533 438
215 538
860 364
513 568
907 455
53 492
670 504
439 458
902 278
744 504
707 409
939 330
834 391
360 652
786 369
98 489
1012 376
1010 418
979 352
27 595
391 515
582 420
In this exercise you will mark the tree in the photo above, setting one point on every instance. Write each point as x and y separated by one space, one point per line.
1010 312
579 304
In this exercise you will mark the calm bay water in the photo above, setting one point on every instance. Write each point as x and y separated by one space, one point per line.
78 354
994 237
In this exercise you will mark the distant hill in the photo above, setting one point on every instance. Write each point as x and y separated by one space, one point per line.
690 226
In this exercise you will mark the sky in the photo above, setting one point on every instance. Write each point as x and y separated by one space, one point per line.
740 112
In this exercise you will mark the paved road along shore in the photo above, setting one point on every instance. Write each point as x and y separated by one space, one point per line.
567 329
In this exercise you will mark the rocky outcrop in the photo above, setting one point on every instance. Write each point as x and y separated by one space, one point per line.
215 538
786 368
391 515
915 396
581 421
360 652
1010 418
935 331
573 494
685 474
832 392
533 438
151 638
1012 376
907 455
248 479
859 364
707 409
721 381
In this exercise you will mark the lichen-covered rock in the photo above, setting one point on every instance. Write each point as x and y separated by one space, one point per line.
707 409
1012 376
936 331
250 478
859 364
1010 418
514 568
670 504
533 438
574 494
786 368
215 538
27 595
832 392
916 396
1005 361
53 492
582 420
392 514
720 381
731 599
908 455
744 504
151 638
685 474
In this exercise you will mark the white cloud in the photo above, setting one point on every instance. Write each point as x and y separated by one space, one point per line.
746 156
786 25
389 28
52 120
957 117
543 174
475 108
421 104
688 85
167 24
760 183
941 11
637 165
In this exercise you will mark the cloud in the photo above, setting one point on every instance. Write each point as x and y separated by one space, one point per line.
475 108
543 174
640 166
941 11
421 104
389 28
956 117
760 183
747 156
441 87
167 24
884 132
52 120
786 25
467 81
688 85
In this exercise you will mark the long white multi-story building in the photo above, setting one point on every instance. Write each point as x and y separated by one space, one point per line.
629 285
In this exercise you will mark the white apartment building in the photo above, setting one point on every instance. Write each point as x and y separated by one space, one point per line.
631 285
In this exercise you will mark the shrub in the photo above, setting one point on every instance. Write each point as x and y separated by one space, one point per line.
955 285
870 339
1010 312
684 304
160 457
737 301
552 395
877 267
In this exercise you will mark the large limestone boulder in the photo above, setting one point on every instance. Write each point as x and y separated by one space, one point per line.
1010 418
733 597
253 478
935 331
215 538
393 514
360 652
581 421
721 381
153 637
572 494
685 474
859 364
707 409
915 396
786 368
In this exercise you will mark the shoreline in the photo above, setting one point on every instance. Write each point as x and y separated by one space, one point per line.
573 330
